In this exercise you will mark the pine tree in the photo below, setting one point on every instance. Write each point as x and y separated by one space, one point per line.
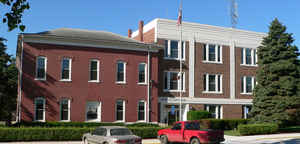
277 94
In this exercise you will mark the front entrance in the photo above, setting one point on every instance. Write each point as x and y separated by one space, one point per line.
173 117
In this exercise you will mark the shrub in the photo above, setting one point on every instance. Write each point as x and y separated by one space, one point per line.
145 132
142 125
222 124
197 115
253 129
65 124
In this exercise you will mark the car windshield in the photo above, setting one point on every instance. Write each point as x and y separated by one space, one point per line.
120 131
192 126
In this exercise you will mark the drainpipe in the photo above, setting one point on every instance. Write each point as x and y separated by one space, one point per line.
148 85
20 80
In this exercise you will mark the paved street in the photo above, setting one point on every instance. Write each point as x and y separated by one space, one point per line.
291 138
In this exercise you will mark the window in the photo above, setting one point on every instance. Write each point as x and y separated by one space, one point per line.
172 49
41 64
212 53
141 111
93 111
65 110
192 126
66 69
39 106
142 73
216 110
248 57
120 110
247 84
212 83
246 110
172 81
177 126
121 72
94 70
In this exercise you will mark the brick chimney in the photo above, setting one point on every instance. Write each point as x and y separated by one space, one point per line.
129 33
141 26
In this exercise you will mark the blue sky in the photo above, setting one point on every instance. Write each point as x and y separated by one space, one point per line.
119 15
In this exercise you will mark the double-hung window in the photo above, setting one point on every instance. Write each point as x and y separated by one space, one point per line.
65 110
212 53
121 72
120 110
248 57
173 81
93 111
66 69
215 110
41 64
94 70
172 50
212 83
39 106
141 110
247 84
142 73
246 110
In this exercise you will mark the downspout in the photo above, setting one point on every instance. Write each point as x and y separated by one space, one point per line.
148 85
20 80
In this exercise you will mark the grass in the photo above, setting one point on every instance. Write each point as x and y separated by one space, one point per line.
232 133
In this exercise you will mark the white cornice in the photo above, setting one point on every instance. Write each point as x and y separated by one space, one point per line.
186 100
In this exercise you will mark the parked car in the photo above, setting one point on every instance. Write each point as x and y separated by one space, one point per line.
190 132
111 135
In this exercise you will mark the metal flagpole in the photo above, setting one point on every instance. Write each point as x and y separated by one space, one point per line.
180 61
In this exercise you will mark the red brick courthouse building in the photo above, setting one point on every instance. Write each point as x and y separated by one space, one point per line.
81 75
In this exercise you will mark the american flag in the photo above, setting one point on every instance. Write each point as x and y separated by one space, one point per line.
179 20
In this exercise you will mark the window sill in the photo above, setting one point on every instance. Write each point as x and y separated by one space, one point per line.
141 121
212 92
65 121
40 79
248 65
168 58
65 80
93 120
119 121
142 83
212 62
39 120
165 90
94 81
122 83
246 93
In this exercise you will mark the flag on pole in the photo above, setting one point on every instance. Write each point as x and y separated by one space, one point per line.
179 20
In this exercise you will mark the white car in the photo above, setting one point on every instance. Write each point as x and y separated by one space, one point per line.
111 135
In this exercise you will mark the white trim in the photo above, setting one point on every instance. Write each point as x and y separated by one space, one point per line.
217 108
216 54
98 70
44 109
232 69
124 110
70 69
145 74
124 73
69 110
168 57
145 111
178 82
36 68
187 100
216 83
245 85
192 68
252 55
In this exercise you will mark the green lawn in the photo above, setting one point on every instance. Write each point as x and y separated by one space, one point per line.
232 133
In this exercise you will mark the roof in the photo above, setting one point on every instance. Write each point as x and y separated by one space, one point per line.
81 37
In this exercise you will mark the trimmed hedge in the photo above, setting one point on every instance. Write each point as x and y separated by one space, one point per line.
65 124
198 115
62 133
290 129
222 124
253 129
142 125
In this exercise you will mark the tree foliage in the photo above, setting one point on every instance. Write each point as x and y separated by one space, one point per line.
13 17
277 94
8 84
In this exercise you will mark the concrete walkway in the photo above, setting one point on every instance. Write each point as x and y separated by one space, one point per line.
289 138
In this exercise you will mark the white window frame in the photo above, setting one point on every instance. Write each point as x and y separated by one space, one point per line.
145 69
98 70
245 107
253 56
124 76
178 81
70 69
69 110
168 55
44 108
216 82
36 68
145 113
99 111
245 85
216 54
124 111
207 107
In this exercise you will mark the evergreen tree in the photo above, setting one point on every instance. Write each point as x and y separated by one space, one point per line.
277 94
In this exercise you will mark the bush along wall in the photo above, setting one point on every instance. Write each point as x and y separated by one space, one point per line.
198 115
253 129
65 124
222 124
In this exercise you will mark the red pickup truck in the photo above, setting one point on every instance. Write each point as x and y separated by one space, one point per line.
190 132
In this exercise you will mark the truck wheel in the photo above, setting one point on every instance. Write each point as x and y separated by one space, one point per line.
194 141
85 141
163 139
